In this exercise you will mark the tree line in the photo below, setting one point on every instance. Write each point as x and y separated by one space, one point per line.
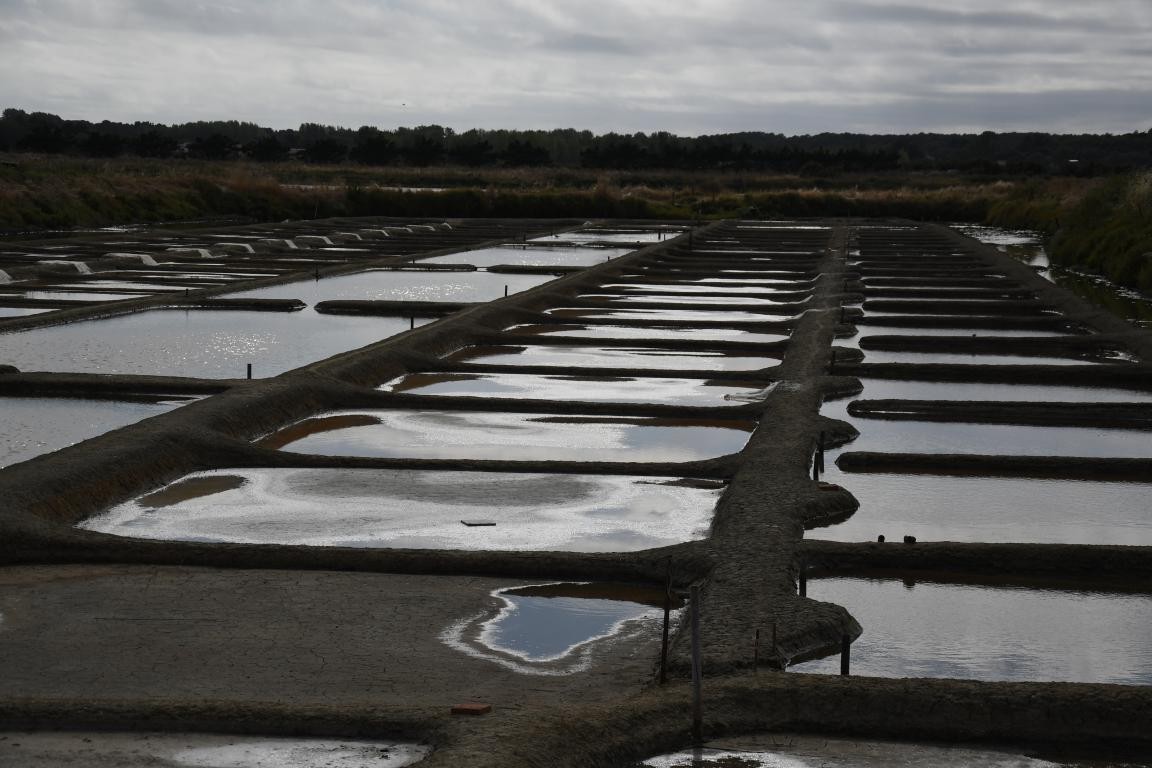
433 145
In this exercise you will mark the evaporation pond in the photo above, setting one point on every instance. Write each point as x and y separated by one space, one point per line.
899 389
946 358
992 509
682 315
22 311
969 333
420 510
612 236
32 426
531 256
647 332
642 299
401 285
211 344
579 388
692 288
791 750
991 633
142 749
550 621
611 357
511 436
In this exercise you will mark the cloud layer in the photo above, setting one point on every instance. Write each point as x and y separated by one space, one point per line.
706 66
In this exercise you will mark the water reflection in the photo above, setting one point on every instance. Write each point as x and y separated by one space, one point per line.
420 510
531 256
34 426
695 315
648 332
521 437
402 285
612 357
991 633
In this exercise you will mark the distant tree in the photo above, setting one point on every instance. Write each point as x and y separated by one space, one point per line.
373 147
266 149
154 144
45 133
325 151
473 153
215 146
98 144
424 150
523 153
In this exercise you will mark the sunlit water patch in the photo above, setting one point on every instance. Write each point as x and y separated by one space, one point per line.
402 285
49 749
991 633
531 256
200 343
22 311
511 436
612 357
945 358
578 388
640 315
420 510
32 426
553 629
648 332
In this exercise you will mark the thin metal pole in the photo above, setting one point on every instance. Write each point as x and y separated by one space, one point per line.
697 672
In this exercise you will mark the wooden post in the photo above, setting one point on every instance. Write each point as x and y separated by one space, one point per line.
822 468
249 370
845 654
697 671
412 322
505 290
756 652
667 615
803 579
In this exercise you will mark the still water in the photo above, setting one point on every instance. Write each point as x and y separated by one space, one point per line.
648 332
401 285
991 633
511 436
532 256
420 510
612 357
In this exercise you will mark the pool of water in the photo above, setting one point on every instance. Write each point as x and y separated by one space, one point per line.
611 357
21 311
898 389
402 285
577 388
80 295
992 509
888 356
636 300
210 344
532 256
647 332
511 436
982 333
664 288
646 236
420 510
991 633
49 749
640 315
788 750
32 426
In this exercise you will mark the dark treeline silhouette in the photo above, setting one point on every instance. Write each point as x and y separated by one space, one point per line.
432 145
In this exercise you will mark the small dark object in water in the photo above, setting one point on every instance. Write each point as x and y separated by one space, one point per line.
477 523
880 538
909 539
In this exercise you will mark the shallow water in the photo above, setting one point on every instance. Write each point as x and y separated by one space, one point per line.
401 285
991 509
420 509
898 389
786 750
648 332
611 357
924 358
549 622
32 426
21 311
201 343
577 388
991 633
639 300
646 236
511 436
533 256
81 295
48 749
673 288
640 315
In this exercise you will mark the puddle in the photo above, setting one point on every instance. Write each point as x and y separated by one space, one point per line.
21 311
34 426
578 388
420 510
991 633
47 749
924 358
647 332
401 285
551 629
899 389
692 315
611 357
513 436
991 509
210 344
786 750
533 256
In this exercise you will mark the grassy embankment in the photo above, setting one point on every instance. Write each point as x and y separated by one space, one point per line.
1103 225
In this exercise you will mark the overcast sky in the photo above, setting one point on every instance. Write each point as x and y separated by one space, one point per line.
707 66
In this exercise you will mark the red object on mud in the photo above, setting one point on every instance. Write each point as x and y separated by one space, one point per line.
471 709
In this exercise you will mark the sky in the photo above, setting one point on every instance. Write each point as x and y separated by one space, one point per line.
691 68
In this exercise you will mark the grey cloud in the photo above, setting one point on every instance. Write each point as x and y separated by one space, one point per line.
934 15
